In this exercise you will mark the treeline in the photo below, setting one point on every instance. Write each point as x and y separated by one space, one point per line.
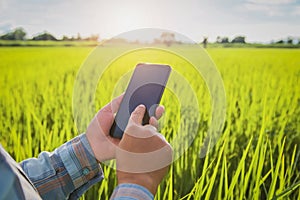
242 39
20 34
225 40
17 37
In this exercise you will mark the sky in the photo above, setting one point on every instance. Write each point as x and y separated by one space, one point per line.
258 20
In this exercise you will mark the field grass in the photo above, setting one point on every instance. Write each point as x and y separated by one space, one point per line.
256 157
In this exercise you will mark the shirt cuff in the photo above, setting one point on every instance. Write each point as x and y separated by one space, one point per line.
79 160
130 191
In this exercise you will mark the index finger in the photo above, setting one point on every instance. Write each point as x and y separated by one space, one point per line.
137 115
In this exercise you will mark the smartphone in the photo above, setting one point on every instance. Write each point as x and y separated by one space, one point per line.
146 87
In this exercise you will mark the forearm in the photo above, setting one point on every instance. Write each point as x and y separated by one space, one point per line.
65 173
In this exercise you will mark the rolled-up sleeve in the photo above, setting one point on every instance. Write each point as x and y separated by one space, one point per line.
67 172
129 191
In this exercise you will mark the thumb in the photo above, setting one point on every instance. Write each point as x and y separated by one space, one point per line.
137 115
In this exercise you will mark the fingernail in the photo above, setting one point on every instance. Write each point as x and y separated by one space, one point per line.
141 106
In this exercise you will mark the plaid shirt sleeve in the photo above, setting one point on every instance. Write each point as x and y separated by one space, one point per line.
130 191
67 172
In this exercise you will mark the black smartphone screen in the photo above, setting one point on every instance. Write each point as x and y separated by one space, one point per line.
146 87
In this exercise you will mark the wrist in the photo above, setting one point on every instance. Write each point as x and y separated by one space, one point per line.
91 140
102 147
131 190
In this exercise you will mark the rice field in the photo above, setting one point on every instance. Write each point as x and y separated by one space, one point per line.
256 157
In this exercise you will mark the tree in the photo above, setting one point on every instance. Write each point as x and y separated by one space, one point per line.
239 39
167 38
290 40
44 36
205 42
93 37
17 34
65 38
280 42
78 37
222 40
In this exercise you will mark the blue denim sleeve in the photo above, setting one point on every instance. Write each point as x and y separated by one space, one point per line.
67 172
128 191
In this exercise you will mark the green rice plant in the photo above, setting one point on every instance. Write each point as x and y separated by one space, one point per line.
256 157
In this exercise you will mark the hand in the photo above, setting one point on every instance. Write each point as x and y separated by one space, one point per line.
143 155
102 144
